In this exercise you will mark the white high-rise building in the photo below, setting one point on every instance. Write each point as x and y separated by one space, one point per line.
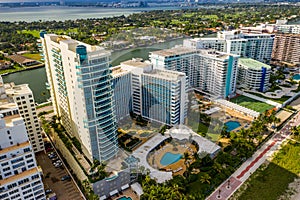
181 59
257 46
23 97
81 89
164 96
217 73
253 75
211 71
19 175
122 92
155 94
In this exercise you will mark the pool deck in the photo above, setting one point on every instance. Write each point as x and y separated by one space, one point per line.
127 193
177 167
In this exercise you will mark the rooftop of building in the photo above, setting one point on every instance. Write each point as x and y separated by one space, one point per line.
14 147
165 74
180 50
136 62
72 44
21 59
206 39
12 89
7 104
216 54
19 176
252 64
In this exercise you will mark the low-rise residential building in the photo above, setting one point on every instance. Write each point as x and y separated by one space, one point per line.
22 60
253 75
4 64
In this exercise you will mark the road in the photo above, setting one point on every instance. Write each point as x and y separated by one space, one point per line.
228 187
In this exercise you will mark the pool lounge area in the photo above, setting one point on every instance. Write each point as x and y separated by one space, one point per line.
231 125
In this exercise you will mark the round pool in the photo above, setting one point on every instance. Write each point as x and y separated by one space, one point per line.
231 125
296 77
170 158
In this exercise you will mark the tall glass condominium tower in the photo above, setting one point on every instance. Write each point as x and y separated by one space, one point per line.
81 91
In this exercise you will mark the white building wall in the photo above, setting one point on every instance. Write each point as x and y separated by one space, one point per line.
75 88
19 176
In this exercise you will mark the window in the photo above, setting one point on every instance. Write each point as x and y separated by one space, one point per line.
34 177
8 132
7 174
28 156
4 164
17 160
26 149
3 157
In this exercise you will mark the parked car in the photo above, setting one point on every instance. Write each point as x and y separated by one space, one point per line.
48 149
52 155
48 191
57 165
56 162
65 178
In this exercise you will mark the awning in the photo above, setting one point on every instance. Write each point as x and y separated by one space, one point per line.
112 193
103 197
137 188
125 187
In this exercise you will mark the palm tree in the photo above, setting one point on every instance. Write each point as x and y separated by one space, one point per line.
186 157
205 178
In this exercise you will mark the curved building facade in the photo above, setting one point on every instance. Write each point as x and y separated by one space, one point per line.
82 93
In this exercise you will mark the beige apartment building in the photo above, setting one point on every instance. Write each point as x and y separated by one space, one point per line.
286 49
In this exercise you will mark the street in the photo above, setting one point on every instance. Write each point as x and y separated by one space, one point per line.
227 188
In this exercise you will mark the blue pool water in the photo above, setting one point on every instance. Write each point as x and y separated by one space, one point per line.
170 158
231 125
296 77
124 198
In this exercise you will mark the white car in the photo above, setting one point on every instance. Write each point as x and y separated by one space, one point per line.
57 165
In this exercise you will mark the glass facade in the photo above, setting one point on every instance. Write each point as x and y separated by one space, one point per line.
96 80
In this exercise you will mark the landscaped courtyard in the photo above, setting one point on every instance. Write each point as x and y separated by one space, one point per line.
251 103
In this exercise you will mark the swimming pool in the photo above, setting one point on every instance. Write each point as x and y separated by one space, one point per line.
296 77
124 198
170 158
231 125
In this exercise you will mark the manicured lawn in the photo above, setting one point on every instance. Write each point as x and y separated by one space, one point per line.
213 136
273 181
35 33
34 56
252 104
14 69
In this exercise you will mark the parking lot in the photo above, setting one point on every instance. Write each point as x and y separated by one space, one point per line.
65 190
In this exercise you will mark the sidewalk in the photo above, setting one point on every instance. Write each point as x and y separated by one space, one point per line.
227 188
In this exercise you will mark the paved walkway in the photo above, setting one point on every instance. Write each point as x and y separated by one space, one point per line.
227 188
